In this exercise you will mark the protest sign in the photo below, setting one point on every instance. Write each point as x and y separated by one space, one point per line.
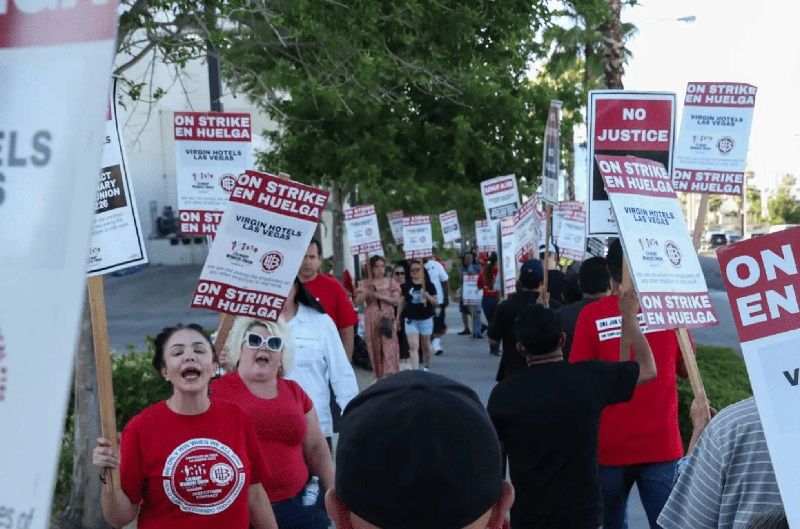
471 295
551 165
211 150
527 228
396 225
485 237
56 62
659 250
570 230
117 238
625 123
451 231
711 151
260 244
761 277
363 234
500 197
508 255
417 236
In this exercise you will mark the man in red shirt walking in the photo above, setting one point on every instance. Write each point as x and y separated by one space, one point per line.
330 294
639 441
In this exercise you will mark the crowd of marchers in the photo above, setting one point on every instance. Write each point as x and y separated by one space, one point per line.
247 437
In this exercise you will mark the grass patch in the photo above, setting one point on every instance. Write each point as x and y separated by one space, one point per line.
724 377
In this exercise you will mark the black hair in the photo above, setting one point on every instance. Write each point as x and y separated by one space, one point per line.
165 334
374 259
775 519
572 288
304 297
594 275
614 260
318 244
406 269
538 330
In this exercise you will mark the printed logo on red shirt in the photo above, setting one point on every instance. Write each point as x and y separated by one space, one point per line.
203 476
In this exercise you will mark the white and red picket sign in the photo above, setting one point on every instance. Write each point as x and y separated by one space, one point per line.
417 236
259 246
451 230
363 234
211 150
485 236
396 225
55 65
711 152
762 279
659 250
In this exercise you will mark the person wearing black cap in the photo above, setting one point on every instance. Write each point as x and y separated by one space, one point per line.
418 451
595 282
548 416
502 325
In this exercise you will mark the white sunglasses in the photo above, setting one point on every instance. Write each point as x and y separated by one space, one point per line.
256 341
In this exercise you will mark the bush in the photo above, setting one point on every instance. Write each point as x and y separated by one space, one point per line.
725 380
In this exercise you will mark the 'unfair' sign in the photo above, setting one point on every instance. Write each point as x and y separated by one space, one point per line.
762 280
259 247
659 250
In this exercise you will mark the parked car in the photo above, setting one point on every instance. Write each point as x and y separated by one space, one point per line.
717 239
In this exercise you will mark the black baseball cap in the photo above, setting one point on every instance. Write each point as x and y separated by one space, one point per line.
531 273
418 450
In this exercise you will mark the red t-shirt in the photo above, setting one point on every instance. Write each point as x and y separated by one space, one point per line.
333 298
280 425
488 288
191 471
644 429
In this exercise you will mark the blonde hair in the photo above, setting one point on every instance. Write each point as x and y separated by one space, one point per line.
240 327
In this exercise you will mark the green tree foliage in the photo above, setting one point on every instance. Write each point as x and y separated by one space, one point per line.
782 207
753 204
414 102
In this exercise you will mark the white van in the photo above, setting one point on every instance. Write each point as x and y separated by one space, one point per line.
781 227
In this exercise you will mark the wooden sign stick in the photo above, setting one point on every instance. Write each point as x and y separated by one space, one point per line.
624 340
700 221
547 223
224 329
102 360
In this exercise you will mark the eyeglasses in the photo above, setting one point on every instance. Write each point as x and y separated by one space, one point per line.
256 341
399 273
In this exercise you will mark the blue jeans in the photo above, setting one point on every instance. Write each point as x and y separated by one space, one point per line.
655 482
292 514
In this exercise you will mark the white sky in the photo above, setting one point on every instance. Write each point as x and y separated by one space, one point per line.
754 41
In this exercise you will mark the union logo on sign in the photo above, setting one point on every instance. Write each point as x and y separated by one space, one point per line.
725 144
271 261
227 182
673 253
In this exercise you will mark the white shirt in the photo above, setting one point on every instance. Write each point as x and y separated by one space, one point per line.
438 275
319 359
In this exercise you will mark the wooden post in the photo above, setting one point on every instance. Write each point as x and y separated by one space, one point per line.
102 359
689 361
625 341
548 220
700 221
224 329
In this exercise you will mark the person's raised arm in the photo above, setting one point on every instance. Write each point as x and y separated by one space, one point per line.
642 354
118 510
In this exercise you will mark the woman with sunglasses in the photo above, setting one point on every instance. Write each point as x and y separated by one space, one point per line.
381 295
419 302
189 461
283 415
401 272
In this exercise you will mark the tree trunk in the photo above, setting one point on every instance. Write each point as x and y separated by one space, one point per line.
569 166
613 66
337 229
83 510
